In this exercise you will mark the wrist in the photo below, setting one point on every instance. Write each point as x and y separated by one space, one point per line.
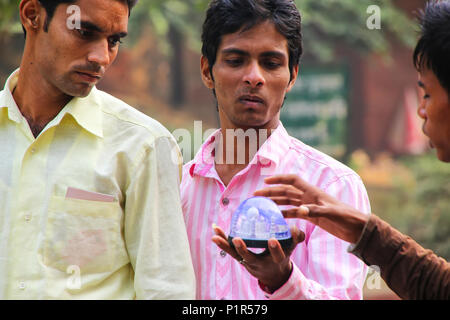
359 222
270 286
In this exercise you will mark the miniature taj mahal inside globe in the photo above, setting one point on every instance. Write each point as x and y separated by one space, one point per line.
257 220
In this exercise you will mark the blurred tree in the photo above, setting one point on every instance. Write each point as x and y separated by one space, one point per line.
411 193
326 25
9 17
174 22
11 39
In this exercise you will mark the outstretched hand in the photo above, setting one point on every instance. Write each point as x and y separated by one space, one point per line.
273 269
314 205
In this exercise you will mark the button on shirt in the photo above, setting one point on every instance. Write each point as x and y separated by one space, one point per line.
323 268
119 233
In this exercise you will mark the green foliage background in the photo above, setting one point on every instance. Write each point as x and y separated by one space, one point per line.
325 23
419 207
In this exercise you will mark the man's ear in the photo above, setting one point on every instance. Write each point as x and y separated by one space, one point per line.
294 75
30 15
206 73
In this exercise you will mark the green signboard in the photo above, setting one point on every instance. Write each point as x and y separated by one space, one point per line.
316 109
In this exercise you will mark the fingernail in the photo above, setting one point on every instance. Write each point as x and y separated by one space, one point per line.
304 210
272 244
294 231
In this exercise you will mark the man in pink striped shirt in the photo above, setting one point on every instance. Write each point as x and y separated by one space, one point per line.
251 53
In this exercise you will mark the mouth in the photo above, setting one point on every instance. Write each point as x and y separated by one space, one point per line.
430 143
423 128
251 100
89 77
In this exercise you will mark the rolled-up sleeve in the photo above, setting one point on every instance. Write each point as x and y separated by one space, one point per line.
410 270
155 232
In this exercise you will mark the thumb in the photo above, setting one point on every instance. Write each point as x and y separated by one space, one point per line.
298 236
303 210
311 210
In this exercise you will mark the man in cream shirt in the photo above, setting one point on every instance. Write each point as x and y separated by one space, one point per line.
89 187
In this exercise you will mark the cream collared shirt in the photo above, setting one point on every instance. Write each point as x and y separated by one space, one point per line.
120 235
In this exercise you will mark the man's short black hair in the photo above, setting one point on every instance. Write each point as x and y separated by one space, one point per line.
50 7
433 49
229 16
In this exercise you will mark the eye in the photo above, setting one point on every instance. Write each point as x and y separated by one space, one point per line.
85 34
272 64
426 96
114 41
234 62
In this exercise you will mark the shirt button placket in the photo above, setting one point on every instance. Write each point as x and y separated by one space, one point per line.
22 285
225 201
222 265
27 217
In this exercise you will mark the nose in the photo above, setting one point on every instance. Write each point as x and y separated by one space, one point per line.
100 54
253 76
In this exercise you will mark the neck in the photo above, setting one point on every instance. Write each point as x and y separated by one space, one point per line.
38 101
238 146
236 149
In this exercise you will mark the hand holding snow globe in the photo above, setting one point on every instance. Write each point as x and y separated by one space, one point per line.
258 225
257 220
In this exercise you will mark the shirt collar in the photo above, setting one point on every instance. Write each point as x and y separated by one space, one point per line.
6 98
268 156
204 159
86 111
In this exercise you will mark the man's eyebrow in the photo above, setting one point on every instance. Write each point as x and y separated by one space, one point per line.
266 54
235 51
93 27
275 54
90 26
121 34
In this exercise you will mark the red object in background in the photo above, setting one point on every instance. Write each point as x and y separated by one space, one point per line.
406 136
415 141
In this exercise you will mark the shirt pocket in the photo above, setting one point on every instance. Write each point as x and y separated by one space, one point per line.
85 234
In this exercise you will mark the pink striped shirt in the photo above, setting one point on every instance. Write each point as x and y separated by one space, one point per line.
323 268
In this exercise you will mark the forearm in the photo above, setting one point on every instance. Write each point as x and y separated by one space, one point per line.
408 269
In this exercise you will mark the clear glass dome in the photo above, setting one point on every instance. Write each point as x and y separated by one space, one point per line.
258 219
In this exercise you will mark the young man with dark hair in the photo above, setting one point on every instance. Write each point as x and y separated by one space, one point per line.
431 61
251 53
411 271
89 187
